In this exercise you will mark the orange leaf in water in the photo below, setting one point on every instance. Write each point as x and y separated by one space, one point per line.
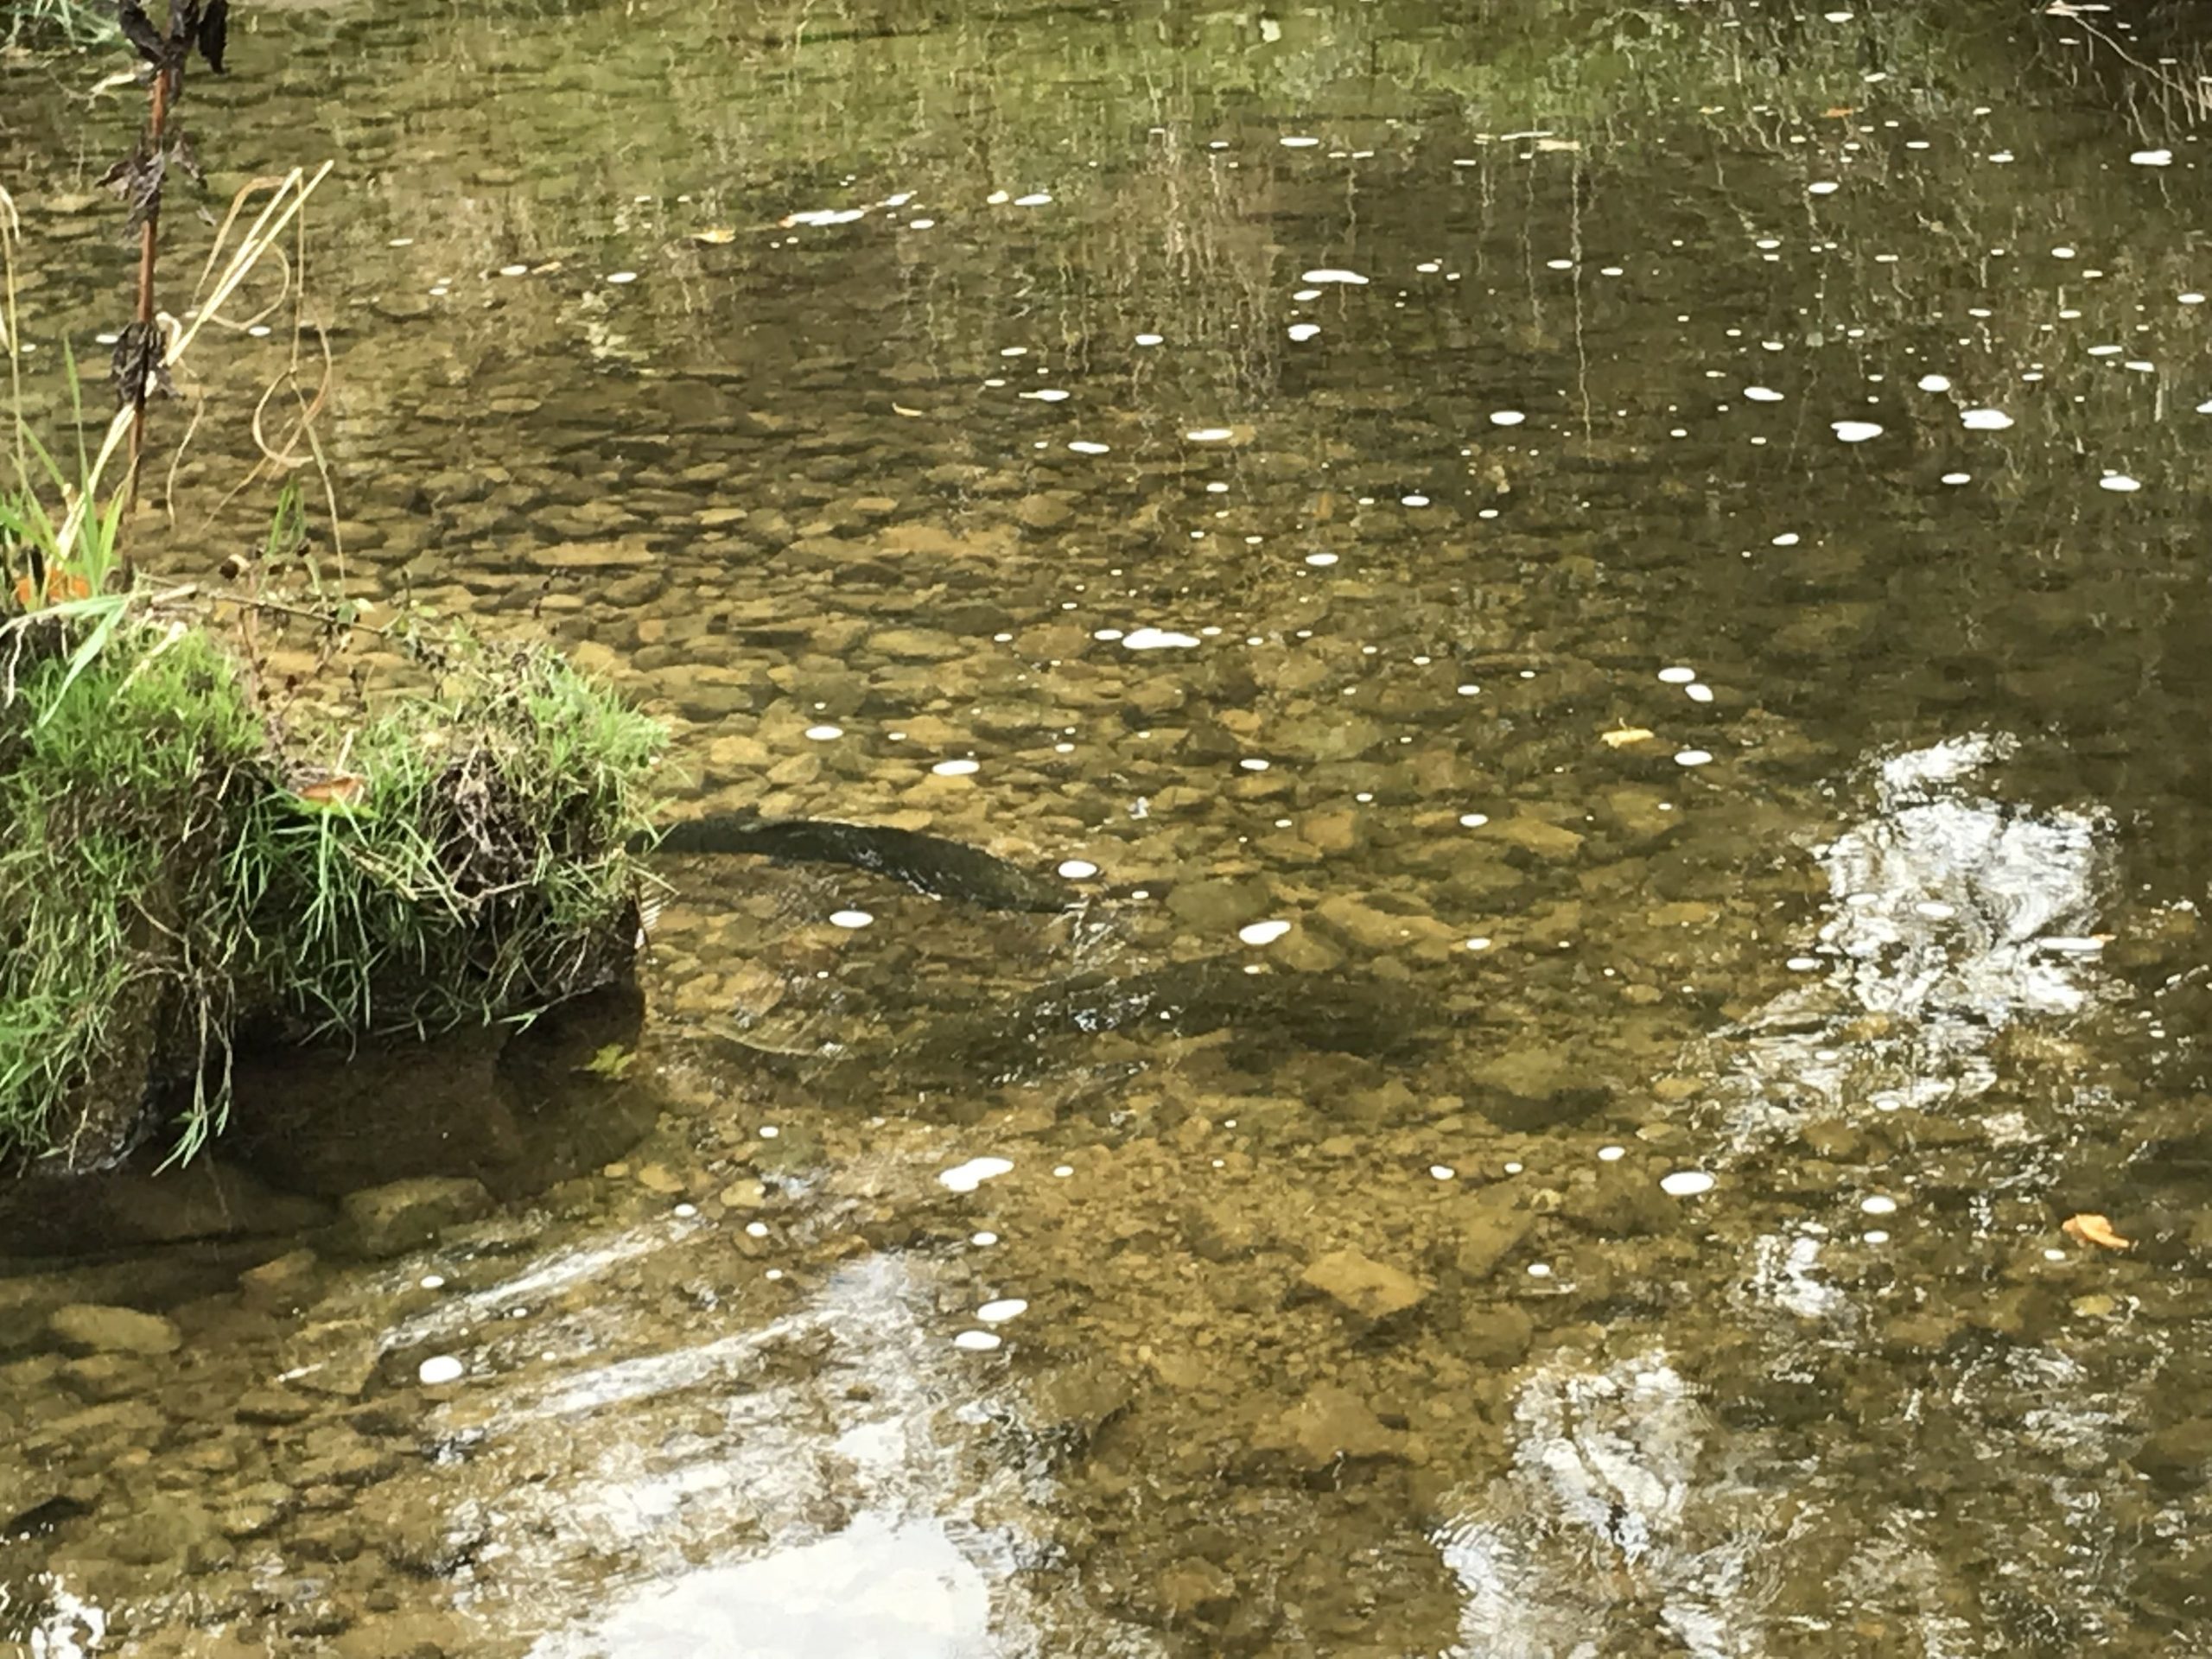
1621 736
1842 111
2095 1230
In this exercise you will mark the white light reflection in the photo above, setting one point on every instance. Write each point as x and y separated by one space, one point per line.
1946 916
1612 1498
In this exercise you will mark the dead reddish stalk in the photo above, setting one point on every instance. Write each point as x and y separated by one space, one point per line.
148 234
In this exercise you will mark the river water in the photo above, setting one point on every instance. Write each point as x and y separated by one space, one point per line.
1606 600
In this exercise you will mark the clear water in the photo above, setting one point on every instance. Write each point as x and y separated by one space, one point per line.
1739 816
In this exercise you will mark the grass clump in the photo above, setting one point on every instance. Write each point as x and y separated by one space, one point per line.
469 862
32 24
171 880
117 779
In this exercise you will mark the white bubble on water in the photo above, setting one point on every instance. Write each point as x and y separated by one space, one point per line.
850 919
1506 417
1211 433
824 733
1473 820
1085 447
1935 383
1958 478
1413 501
1078 869
1327 275
2119 482
1685 1183
1150 340
998 1312
1763 394
1879 1204
1034 199
1697 692
1304 331
1297 142
1320 560
2152 158
1262 932
441 1369
1822 188
1157 639
964 1177
1676 676
1855 431
978 1342
619 277
1692 758
956 768
1611 1154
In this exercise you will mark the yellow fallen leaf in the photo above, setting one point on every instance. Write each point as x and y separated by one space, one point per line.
1621 736
1841 112
2095 1230
901 409
719 236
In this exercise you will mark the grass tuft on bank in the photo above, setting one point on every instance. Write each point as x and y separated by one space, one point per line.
172 879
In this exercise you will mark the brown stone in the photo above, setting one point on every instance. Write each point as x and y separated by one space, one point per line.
1371 1289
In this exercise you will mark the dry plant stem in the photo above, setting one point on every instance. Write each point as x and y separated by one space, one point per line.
290 198
149 234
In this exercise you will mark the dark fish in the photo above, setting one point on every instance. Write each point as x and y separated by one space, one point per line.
932 864
1329 1012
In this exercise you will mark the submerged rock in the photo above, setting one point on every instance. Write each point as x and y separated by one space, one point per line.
403 1215
1333 1422
1534 1087
2177 1457
1491 1226
96 1378
94 1328
1371 1289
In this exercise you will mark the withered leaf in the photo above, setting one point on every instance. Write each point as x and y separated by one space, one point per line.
2091 1228
214 30
186 159
137 368
138 30
141 189
338 789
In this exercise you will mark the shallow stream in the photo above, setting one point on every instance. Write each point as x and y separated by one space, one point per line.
1607 601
